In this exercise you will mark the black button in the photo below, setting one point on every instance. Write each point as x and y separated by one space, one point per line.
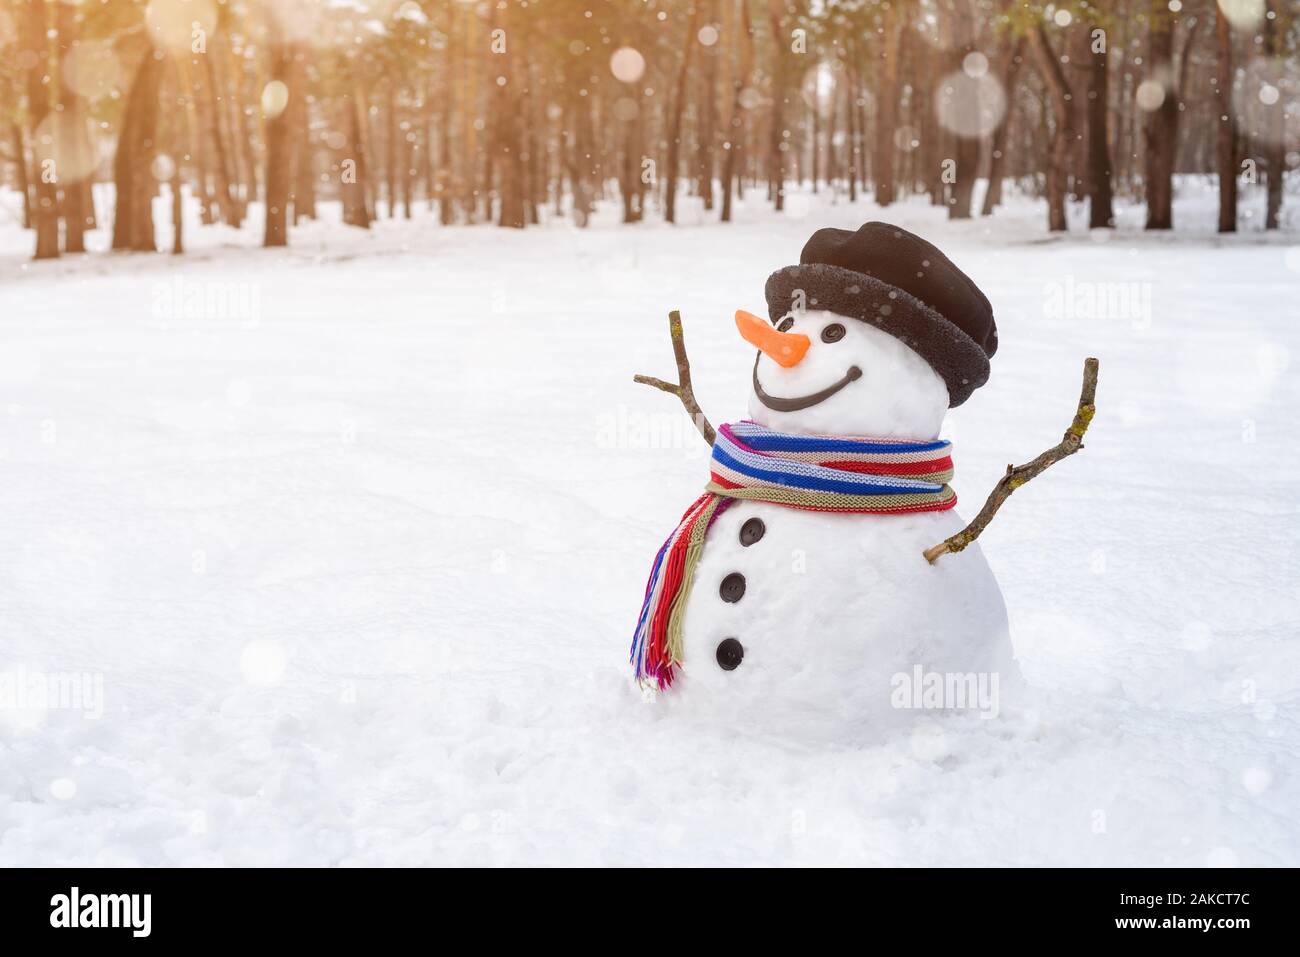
733 587
752 531
730 652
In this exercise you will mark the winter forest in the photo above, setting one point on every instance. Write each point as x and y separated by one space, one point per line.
511 112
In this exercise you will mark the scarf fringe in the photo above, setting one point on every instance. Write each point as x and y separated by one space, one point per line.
657 642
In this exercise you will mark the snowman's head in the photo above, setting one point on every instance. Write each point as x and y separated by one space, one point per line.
820 372
875 332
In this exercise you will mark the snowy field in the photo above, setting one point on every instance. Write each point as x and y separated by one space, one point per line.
350 552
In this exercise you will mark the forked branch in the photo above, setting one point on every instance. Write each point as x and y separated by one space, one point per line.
1018 475
682 389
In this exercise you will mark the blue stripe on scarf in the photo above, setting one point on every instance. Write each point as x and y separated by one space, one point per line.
818 484
767 441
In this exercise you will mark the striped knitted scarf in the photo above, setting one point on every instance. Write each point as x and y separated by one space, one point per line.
822 473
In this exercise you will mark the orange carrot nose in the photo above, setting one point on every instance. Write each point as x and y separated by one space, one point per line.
785 348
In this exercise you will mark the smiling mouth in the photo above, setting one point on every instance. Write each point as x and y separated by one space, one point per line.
779 404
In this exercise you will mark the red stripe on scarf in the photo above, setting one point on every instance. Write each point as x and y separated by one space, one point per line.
893 468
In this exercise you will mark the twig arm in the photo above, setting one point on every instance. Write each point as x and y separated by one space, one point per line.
659 384
682 389
1018 475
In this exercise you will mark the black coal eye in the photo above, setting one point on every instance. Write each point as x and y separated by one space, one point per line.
785 324
730 651
833 333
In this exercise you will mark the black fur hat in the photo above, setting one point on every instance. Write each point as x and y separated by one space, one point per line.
895 280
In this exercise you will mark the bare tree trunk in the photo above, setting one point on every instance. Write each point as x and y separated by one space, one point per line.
506 131
998 155
832 170
407 176
965 147
279 133
35 44
855 134
1161 127
304 158
736 124
230 211
241 137
132 165
194 89
912 78
1226 112
557 158
1075 59
1274 151
182 62
488 156
73 140
675 120
426 145
469 138
963 188
356 206
887 105
1063 127
533 157
20 167
393 148
173 131
524 119
302 177
368 159
864 154
967 152
589 157
1101 212
583 170
304 191
179 137
932 152
88 201
630 177
436 155
814 158
1121 124
446 206
776 134
707 133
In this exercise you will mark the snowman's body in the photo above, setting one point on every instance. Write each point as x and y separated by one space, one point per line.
834 608
830 608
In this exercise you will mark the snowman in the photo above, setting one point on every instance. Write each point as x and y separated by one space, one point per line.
795 590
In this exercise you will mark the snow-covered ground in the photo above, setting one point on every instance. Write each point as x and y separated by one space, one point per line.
348 540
